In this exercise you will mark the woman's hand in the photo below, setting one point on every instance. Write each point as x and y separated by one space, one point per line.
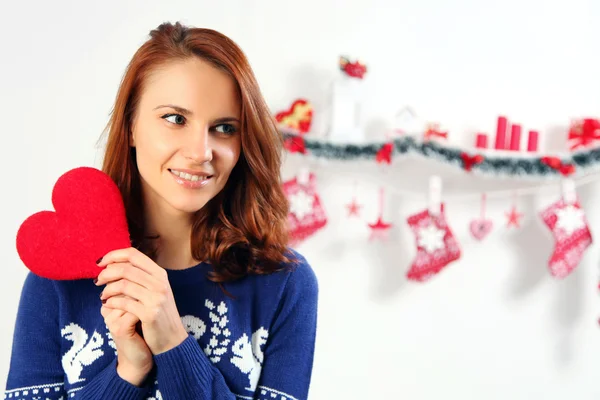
134 358
137 285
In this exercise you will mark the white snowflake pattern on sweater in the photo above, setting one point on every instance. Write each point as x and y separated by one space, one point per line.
52 391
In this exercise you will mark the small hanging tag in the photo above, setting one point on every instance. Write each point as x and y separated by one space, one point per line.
435 195
569 194
303 177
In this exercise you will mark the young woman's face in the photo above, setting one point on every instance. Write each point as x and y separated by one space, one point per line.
186 133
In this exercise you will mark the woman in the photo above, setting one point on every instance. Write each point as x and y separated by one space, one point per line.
209 303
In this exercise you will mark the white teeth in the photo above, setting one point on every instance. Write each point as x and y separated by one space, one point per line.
189 177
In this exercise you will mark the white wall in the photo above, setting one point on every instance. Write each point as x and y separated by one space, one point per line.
494 325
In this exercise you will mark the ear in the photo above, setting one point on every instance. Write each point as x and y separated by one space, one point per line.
131 136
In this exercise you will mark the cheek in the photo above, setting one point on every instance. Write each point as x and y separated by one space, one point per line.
152 147
229 154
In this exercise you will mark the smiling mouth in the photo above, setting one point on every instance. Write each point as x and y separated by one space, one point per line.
190 177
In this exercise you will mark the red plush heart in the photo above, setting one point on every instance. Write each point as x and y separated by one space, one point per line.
89 222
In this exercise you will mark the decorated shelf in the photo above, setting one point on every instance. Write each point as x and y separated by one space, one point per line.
478 161
412 135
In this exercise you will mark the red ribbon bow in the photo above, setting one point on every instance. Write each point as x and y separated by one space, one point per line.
434 131
469 161
384 155
354 69
556 164
584 132
295 144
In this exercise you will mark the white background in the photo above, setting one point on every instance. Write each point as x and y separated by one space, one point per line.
493 325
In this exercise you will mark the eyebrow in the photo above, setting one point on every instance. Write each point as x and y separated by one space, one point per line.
180 110
226 120
185 111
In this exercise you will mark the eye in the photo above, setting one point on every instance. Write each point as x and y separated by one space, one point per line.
177 119
227 129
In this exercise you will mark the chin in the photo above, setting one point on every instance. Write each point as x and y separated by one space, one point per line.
189 207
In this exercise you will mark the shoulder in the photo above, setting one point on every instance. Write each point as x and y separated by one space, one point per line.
298 293
38 305
38 286
299 276
293 278
299 268
51 292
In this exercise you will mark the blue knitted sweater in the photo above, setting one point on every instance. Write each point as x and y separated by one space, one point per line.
258 344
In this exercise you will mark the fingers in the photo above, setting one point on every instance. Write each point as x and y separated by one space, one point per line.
110 314
120 323
127 288
125 270
136 258
128 304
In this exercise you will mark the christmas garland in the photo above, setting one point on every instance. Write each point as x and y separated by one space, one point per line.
577 163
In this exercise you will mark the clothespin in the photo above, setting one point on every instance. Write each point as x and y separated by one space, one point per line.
569 194
435 195
303 176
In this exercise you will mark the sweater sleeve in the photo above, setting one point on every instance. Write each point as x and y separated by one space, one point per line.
35 366
289 352
185 372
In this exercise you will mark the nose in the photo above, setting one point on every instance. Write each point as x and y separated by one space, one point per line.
199 146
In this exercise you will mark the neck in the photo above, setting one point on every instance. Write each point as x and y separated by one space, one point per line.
174 230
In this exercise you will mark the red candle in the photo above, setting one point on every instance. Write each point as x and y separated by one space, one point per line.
532 142
501 134
482 141
515 137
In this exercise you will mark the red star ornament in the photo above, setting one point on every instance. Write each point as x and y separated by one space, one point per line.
353 208
513 217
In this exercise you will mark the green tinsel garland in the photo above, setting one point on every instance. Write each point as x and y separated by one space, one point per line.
491 165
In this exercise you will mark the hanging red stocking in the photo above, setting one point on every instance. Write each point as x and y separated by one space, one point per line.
436 245
572 235
306 215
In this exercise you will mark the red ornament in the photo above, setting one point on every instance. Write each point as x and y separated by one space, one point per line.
469 161
481 226
584 132
380 229
556 164
384 155
433 130
513 217
297 118
353 69
353 208
295 144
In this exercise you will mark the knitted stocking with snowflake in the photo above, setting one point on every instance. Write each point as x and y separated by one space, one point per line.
436 245
306 215
571 234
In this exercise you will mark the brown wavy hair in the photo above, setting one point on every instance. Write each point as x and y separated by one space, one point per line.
242 230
